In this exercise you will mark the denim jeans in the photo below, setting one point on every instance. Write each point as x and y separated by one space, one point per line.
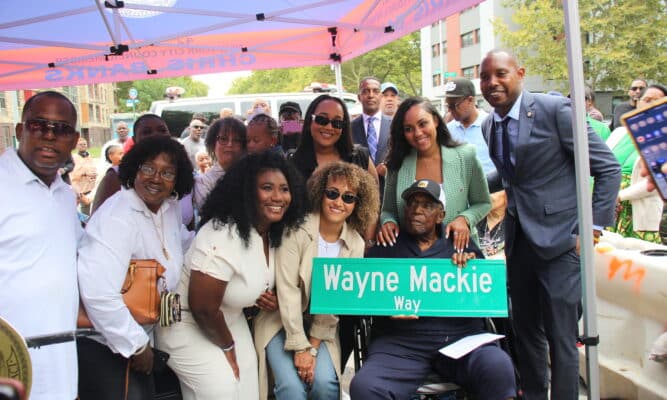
288 385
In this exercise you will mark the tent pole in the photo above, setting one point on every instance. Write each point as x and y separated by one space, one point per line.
339 77
576 72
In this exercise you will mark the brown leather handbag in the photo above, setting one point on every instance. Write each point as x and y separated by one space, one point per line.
140 293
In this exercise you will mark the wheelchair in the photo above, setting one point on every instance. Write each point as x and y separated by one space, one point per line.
433 388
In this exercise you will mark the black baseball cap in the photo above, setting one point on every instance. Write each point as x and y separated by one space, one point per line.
459 87
428 187
289 105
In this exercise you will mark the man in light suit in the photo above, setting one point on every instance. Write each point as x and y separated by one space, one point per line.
530 139
370 97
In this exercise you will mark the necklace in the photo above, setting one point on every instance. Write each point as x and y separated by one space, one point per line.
160 237
328 249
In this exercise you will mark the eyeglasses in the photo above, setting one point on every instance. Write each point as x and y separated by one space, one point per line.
427 205
636 88
59 129
226 139
456 104
333 194
150 171
324 121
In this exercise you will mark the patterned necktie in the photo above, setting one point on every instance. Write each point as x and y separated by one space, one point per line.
507 161
372 138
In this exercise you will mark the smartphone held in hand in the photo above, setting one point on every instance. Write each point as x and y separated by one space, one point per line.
648 129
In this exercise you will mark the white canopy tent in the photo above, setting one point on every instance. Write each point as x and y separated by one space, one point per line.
45 43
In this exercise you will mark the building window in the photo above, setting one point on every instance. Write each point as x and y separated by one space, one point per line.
443 46
470 72
3 102
470 38
435 50
437 80
467 39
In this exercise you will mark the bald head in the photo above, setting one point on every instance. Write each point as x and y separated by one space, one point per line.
122 131
501 80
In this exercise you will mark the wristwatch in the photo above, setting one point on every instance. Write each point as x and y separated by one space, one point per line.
311 350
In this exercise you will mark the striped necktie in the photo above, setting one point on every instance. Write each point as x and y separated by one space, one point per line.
372 138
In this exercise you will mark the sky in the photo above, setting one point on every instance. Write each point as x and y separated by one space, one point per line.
219 84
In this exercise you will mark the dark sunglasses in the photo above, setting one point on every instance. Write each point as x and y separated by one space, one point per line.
333 194
59 129
324 121
635 88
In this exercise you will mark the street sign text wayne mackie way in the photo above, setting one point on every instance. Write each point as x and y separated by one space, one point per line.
408 286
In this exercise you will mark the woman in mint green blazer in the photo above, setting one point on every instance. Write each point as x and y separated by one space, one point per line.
421 147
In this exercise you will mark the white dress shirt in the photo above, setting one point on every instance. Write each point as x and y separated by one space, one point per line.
39 232
123 228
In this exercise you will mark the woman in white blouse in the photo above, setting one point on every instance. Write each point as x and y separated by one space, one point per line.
142 221
230 266
303 350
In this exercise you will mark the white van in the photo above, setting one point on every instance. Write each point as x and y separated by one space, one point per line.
178 113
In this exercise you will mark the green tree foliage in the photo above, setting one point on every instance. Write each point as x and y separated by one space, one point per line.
621 40
398 62
151 90
281 80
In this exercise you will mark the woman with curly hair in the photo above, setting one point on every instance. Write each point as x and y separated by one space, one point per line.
303 350
231 265
421 147
141 222
145 126
226 143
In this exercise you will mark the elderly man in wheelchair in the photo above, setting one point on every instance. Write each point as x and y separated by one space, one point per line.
404 350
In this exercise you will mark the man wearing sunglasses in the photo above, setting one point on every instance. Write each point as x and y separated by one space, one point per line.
194 143
39 235
467 123
634 93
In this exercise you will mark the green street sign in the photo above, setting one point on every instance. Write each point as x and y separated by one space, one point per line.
408 286
449 74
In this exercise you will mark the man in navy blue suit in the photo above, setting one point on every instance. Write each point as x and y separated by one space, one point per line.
371 122
530 138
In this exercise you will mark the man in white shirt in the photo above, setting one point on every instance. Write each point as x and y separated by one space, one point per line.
194 143
39 233
467 123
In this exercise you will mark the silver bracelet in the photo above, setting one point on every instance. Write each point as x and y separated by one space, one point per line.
228 348
141 349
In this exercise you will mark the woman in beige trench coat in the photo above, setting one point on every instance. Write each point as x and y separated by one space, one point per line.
302 350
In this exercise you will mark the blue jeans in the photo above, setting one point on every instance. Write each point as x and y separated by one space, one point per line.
288 385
